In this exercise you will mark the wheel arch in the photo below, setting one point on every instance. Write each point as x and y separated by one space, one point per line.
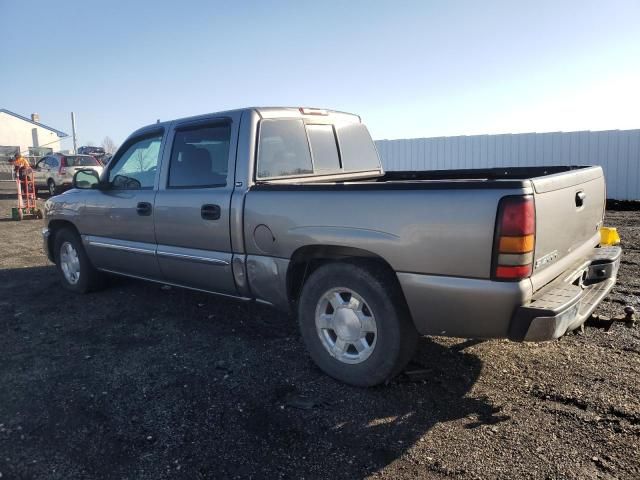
56 226
305 260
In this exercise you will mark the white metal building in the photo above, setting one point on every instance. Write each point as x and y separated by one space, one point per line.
27 135
618 151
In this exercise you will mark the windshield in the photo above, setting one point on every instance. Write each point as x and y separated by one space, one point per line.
81 162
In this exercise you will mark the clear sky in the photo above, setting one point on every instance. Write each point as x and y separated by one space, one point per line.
409 68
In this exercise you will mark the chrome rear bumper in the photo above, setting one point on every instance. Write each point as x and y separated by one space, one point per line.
567 302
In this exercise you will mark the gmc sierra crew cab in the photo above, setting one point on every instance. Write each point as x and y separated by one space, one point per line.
291 207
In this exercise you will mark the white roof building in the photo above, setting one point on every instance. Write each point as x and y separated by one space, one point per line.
27 135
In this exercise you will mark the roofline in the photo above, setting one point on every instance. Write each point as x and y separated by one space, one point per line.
60 133
259 110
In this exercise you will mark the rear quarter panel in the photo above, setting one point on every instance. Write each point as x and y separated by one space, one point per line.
426 230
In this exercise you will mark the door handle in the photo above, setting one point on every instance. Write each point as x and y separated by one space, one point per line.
580 196
210 212
144 209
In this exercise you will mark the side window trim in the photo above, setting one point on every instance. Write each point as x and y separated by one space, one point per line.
194 125
306 134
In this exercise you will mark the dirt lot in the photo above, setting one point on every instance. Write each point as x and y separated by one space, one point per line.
142 382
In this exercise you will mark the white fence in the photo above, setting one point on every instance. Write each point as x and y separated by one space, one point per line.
618 151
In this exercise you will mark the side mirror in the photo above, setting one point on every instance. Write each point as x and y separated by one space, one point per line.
86 179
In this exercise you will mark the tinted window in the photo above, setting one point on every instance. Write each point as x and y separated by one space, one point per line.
357 148
136 167
52 162
200 157
323 147
81 162
283 149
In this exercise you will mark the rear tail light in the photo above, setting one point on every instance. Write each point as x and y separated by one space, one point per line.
514 238
63 163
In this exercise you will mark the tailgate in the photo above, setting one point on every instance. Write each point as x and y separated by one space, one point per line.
569 212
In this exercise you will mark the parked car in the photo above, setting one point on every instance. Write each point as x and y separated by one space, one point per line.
97 152
106 159
291 207
55 172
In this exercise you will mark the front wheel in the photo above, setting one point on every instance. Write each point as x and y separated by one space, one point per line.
354 323
74 268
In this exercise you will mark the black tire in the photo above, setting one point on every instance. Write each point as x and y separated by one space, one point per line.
89 279
396 337
51 186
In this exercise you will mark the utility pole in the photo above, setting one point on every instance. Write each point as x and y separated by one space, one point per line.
73 130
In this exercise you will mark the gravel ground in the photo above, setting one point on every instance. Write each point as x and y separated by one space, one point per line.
145 382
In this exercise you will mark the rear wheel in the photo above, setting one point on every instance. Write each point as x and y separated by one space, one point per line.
354 323
74 268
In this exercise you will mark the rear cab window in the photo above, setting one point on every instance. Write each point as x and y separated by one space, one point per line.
299 148
357 147
323 147
283 150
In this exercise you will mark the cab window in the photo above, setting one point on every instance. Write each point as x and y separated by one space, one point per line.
136 167
283 149
324 148
357 148
200 157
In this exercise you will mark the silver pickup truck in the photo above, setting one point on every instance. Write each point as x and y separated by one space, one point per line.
291 207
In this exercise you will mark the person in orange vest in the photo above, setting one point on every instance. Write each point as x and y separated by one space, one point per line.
20 163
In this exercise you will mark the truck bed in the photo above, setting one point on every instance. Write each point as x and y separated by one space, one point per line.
481 174
444 223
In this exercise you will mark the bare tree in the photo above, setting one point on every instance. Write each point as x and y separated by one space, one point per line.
141 160
109 145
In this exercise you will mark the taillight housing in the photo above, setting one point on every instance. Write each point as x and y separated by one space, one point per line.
63 163
514 240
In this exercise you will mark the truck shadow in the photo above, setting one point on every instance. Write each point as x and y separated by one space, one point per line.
138 377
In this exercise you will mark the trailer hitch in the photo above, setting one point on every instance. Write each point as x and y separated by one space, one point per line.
598 321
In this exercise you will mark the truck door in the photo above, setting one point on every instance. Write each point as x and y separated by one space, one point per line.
193 202
117 221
